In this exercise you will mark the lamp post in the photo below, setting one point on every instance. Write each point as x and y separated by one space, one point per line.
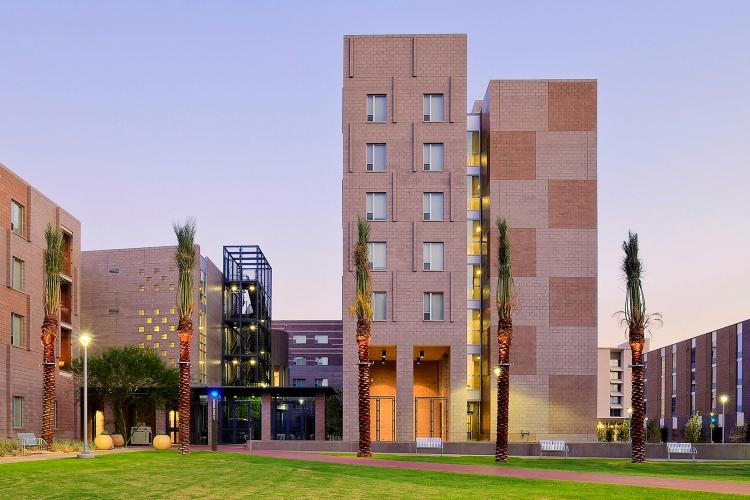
630 422
723 400
84 339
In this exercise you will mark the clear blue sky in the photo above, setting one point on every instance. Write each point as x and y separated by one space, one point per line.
133 115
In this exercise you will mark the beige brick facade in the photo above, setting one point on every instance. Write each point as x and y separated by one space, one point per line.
21 364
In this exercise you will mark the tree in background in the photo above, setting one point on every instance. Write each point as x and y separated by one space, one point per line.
54 259
693 430
504 304
186 259
123 376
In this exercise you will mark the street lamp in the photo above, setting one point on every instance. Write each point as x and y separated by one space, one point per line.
723 400
84 339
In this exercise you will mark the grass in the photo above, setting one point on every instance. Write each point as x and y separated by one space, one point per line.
720 470
151 474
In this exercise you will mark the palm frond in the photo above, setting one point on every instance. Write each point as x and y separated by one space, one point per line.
54 260
186 259
635 313
362 304
504 300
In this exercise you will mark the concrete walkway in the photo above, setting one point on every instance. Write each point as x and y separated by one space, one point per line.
55 455
737 488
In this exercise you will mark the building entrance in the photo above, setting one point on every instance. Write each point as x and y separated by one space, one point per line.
383 421
430 417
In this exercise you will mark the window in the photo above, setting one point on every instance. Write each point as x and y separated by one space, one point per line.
433 306
432 256
141 288
171 361
321 382
432 157
674 406
17 217
16 330
614 375
299 339
376 158
156 288
163 352
156 328
739 399
164 336
376 206
141 345
299 382
473 193
17 411
171 328
473 143
615 360
321 339
615 412
615 387
156 345
171 286
114 270
615 400
376 108
473 237
473 281
17 282
148 321
432 206
379 306
164 319
148 336
321 360
376 256
156 312
433 107
171 310
141 312
299 361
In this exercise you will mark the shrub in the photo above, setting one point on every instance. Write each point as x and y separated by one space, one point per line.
692 430
625 431
739 434
653 433
9 447
601 432
67 445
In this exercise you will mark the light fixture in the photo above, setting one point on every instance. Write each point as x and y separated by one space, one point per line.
252 328
84 339
421 354
382 357
234 361
723 399
252 288
497 371
252 362
234 288
301 401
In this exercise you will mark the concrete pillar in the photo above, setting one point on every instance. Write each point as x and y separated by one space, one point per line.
320 417
265 416
457 396
405 393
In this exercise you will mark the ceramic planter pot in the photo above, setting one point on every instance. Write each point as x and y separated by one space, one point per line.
103 442
118 440
162 442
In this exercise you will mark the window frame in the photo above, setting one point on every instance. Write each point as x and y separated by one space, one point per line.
319 337
13 317
22 277
428 248
370 211
428 314
20 231
17 409
427 156
371 156
428 108
371 246
377 317
427 216
370 109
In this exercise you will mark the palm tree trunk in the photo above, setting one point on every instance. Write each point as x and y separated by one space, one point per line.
363 347
185 333
49 333
638 433
504 335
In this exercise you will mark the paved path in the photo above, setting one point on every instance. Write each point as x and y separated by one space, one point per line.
737 488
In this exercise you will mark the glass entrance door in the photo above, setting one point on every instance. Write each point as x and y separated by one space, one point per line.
430 419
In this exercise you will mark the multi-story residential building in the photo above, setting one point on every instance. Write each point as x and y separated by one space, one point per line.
690 377
432 181
315 352
129 298
24 216
614 383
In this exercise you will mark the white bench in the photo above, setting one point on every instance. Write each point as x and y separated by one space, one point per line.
549 445
29 440
433 443
680 449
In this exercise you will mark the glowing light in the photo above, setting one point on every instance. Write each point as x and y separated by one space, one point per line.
723 399
252 288
630 410
234 288
84 339
497 371
252 362
234 362
214 394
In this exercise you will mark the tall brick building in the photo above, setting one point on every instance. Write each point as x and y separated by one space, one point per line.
432 181
24 216
314 351
690 376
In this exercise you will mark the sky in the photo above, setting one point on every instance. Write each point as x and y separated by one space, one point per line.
134 115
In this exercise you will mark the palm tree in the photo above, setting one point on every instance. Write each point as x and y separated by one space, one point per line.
362 309
186 259
54 259
638 321
504 303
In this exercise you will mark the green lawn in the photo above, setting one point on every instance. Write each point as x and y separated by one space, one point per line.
720 471
233 475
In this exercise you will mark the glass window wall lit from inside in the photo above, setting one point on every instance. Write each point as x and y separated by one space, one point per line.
473 282
473 326
473 371
473 148
473 193
474 237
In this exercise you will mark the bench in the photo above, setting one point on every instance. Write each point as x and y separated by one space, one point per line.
29 440
549 445
433 443
680 449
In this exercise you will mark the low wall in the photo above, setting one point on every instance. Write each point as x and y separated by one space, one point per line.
729 451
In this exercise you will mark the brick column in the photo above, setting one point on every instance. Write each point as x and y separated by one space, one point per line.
265 417
404 393
320 417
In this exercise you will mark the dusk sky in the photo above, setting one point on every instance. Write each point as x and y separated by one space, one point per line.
135 115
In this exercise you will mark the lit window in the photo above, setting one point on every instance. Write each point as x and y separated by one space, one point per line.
376 209
376 108
148 321
433 107
376 256
148 336
433 157
432 206
171 310
148 278
141 288
171 344
376 158
171 328
156 328
164 319
473 192
379 306
321 382
171 361
473 146
433 306
141 345
17 282
432 256
156 288
171 286
164 336
16 330
17 217
141 312
299 339
156 312
156 345
17 411
141 329
163 278
163 352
